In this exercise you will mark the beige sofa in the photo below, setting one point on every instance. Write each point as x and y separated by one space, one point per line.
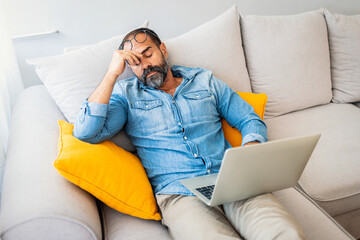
289 58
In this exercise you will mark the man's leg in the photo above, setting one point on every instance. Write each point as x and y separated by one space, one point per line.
263 217
189 218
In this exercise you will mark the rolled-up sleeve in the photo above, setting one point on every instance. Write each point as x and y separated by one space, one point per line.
238 113
98 122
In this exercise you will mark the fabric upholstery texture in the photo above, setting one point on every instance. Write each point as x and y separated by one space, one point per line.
350 221
36 199
344 39
258 102
331 176
288 60
113 175
215 45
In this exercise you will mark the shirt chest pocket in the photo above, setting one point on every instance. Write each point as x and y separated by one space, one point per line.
197 95
148 116
201 105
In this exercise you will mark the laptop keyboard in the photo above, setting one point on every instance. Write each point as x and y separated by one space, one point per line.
206 191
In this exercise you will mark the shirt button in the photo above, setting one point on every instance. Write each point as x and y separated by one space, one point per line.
208 171
173 101
195 155
197 96
147 106
179 123
185 139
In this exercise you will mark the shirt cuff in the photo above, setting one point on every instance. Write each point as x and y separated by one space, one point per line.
252 137
96 109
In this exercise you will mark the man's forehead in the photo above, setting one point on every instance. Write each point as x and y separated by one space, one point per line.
138 47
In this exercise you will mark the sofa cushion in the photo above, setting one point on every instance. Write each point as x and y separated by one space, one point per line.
70 78
331 176
216 45
344 38
118 226
258 102
111 174
288 60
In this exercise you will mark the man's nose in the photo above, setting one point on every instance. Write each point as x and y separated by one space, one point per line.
145 63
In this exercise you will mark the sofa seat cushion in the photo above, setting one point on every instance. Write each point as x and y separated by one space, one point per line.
118 226
331 176
314 221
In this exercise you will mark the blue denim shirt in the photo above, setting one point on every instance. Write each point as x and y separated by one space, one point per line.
176 136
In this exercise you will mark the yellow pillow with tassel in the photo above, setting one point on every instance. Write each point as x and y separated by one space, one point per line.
111 174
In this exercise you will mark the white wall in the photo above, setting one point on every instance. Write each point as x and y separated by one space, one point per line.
83 22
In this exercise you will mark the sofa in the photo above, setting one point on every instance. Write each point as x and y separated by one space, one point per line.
307 64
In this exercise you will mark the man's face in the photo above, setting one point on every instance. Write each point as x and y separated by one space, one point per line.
153 67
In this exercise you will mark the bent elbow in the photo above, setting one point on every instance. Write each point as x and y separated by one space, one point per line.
85 136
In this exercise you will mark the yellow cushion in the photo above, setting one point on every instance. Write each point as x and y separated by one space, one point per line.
113 175
258 102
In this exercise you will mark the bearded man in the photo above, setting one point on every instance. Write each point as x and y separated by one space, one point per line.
173 118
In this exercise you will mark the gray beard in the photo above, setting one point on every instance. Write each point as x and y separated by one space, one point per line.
155 81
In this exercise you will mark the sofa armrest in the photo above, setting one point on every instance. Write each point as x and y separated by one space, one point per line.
316 223
37 202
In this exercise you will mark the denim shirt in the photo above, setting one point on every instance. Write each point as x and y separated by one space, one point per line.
178 136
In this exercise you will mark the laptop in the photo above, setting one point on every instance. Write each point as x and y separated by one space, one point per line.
255 169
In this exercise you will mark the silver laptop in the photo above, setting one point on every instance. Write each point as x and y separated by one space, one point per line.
255 169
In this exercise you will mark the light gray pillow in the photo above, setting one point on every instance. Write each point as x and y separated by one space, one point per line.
288 59
215 45
70 78
344 38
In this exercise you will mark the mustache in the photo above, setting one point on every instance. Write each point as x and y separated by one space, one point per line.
152 69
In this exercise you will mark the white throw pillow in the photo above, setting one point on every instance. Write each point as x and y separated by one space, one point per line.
344 38
215 45
72 77
288 59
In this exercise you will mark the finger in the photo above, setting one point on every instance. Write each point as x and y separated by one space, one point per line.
130 60
139 55
136 59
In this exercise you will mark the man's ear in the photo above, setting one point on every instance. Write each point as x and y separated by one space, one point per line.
163 50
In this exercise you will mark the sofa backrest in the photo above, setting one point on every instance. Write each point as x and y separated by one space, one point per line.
285 57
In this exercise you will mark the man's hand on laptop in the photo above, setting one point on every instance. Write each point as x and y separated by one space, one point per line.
250 143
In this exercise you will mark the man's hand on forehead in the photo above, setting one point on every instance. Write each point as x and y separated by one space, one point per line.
139 53
131 57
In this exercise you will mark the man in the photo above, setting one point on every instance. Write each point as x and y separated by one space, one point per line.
173 117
